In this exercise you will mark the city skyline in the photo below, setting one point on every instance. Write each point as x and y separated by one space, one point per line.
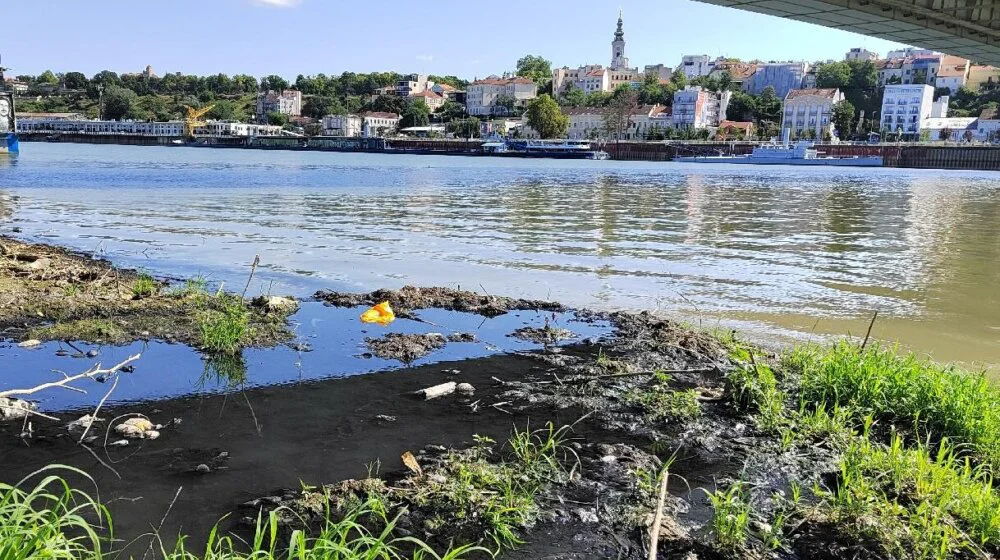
291 37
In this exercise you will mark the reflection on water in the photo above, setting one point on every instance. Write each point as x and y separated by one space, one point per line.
779 249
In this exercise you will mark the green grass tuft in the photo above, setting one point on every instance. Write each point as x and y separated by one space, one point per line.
224 325
143 286
906 391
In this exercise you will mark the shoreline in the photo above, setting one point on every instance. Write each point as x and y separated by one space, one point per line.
768 435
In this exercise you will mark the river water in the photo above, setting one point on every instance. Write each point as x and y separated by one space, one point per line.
784 253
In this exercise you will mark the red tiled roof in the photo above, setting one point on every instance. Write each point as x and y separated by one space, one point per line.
739 125
427 93
595 73
821 92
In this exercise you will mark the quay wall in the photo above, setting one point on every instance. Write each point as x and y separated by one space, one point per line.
919 156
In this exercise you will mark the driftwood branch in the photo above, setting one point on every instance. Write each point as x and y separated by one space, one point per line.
89 374
869 333
654 532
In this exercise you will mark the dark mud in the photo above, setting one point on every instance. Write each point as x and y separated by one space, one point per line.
409 299
405 347
53 294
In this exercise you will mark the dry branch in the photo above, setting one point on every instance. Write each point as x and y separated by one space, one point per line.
89 374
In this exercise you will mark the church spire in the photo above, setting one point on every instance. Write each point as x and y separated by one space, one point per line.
619 33
618 59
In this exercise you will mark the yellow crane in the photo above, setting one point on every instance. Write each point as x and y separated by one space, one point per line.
193 119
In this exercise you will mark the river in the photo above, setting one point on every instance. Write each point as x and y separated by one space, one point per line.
783 253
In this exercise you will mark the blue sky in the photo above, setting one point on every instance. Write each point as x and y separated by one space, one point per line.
469 39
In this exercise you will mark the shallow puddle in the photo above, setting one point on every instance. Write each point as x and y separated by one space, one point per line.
330 343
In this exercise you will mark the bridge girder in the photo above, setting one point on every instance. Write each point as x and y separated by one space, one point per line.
966 28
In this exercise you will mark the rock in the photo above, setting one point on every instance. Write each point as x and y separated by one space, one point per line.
62 353
40 264
92 353
587 515
137 428
81 423
202 469
276 303
461 337
14 409
465 389
438 390
16 229
31 343
300 346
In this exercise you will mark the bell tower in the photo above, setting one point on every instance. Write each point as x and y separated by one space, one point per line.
618 58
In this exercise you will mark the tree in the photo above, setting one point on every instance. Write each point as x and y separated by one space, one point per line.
843 118
833 75
679 79
75 80
545 117
504 104
967 135
742 107
224 110
451 111
319 106
119 103
597 98
655 133
465 128
573 96
945 134
618 113
534 67
416 114
47 78
768 106
725 81
389 104
277 119
273 83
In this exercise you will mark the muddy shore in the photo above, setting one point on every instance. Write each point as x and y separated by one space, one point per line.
574 433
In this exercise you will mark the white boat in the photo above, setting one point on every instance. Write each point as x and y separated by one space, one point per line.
800 153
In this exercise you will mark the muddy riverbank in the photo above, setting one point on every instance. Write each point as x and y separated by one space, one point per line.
551 440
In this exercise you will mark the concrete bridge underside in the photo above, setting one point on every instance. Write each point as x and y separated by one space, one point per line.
966 28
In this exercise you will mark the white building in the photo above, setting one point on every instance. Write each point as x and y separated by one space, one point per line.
220 128
987 126
696 65
858 53
909 51
588 123
695 107
953 73
412 84
592 77
483 94
288 103
661 71
949 129
378 123
808 113
905 107
171 128
342 125
143 128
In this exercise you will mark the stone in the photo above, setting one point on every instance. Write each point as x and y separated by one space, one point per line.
137 428
14 409
465 389
203 469
30 343
587 515
40 264
92 353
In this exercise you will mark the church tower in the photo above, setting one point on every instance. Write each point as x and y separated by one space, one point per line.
618 58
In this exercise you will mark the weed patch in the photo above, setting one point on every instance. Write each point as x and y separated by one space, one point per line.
225 325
